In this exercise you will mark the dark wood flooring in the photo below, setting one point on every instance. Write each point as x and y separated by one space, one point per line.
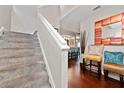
79 79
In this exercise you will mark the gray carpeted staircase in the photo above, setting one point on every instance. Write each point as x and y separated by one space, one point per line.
21 61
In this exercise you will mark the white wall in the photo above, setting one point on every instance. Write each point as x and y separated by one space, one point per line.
52 14
24 18
65 9
88 26
5 16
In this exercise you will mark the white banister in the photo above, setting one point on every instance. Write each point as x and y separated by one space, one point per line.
55 53
52 31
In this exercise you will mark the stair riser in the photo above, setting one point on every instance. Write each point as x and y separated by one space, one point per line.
23 80
6 65
9 61
21 41
10 50
15 34
17 38
35 84
28 42
47 85
16 42
30 69
17 66
18 45
19 53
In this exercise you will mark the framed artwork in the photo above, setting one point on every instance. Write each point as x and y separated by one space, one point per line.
110 31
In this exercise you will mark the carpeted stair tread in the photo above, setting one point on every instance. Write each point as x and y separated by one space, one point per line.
23 80
21 61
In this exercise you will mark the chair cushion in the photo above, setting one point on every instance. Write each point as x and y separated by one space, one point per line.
72 49
113 57
95 49
116 68
93 57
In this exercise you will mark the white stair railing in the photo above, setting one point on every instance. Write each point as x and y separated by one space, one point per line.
55 52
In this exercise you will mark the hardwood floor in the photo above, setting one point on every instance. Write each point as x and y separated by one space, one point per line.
87 79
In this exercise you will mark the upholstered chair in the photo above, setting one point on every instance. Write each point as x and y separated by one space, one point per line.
93 56
114 63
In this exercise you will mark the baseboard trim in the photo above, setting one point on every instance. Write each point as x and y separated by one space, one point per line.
47 65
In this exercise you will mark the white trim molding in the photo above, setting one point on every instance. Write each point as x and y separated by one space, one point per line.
47 65
55 52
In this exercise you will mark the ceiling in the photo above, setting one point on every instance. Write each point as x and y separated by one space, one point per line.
70 16
79 14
